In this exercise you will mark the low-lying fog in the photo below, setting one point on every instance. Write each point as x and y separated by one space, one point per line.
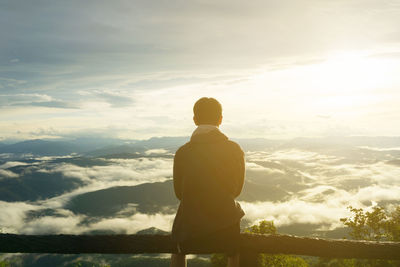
304 187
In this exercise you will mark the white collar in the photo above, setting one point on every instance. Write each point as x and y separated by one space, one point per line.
204 128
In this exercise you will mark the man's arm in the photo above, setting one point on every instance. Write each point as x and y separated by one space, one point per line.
177 174
240 172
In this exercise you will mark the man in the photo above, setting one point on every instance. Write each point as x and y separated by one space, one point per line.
208 175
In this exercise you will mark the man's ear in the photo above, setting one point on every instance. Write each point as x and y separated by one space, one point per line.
220 121
195 120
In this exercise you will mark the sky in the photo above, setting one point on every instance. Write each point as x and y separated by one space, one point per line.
133 69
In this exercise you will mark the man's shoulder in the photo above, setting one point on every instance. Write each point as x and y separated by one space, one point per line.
235 146
182 149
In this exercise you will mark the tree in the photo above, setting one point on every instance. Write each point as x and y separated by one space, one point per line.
378 224
264 227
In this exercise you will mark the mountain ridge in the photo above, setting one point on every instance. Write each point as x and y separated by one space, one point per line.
103 147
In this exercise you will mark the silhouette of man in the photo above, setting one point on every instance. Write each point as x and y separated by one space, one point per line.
208 175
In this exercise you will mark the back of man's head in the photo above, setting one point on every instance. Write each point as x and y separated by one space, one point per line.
207 110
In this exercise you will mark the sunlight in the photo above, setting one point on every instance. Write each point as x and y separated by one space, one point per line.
349 72
344 85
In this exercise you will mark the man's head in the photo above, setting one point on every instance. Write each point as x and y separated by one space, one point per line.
207 110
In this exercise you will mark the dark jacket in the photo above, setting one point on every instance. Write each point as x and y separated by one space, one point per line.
208 176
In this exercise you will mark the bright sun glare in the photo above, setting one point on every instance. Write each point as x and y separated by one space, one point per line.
353 72
350 81
342 77
347 87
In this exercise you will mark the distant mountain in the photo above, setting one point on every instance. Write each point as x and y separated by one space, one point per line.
319 143
168 143
117 150
42 148
33 185
344 141
90 143
252 144
126 200
253 192
152 231
97 147
150 198
39 147
135 156
82 161
171 144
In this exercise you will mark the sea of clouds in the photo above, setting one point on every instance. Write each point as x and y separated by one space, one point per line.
318 187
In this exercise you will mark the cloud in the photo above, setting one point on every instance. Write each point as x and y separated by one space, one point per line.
326 183
14 219
323 116
19 99
11 82
7 174
387 54
12 215
330 165
10 164
319 189
116 99
156 151
253 167
40 100
131 170
137 222
378 193
52 225
161 36
165 37
125 65
115 172
54 104
316 206
75 224
380 148
294 211
302 156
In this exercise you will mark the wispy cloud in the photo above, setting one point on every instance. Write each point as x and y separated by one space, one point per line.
40 100
10 164
114 98
7 174
137 222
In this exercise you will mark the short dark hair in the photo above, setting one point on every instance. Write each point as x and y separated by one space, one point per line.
207 110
